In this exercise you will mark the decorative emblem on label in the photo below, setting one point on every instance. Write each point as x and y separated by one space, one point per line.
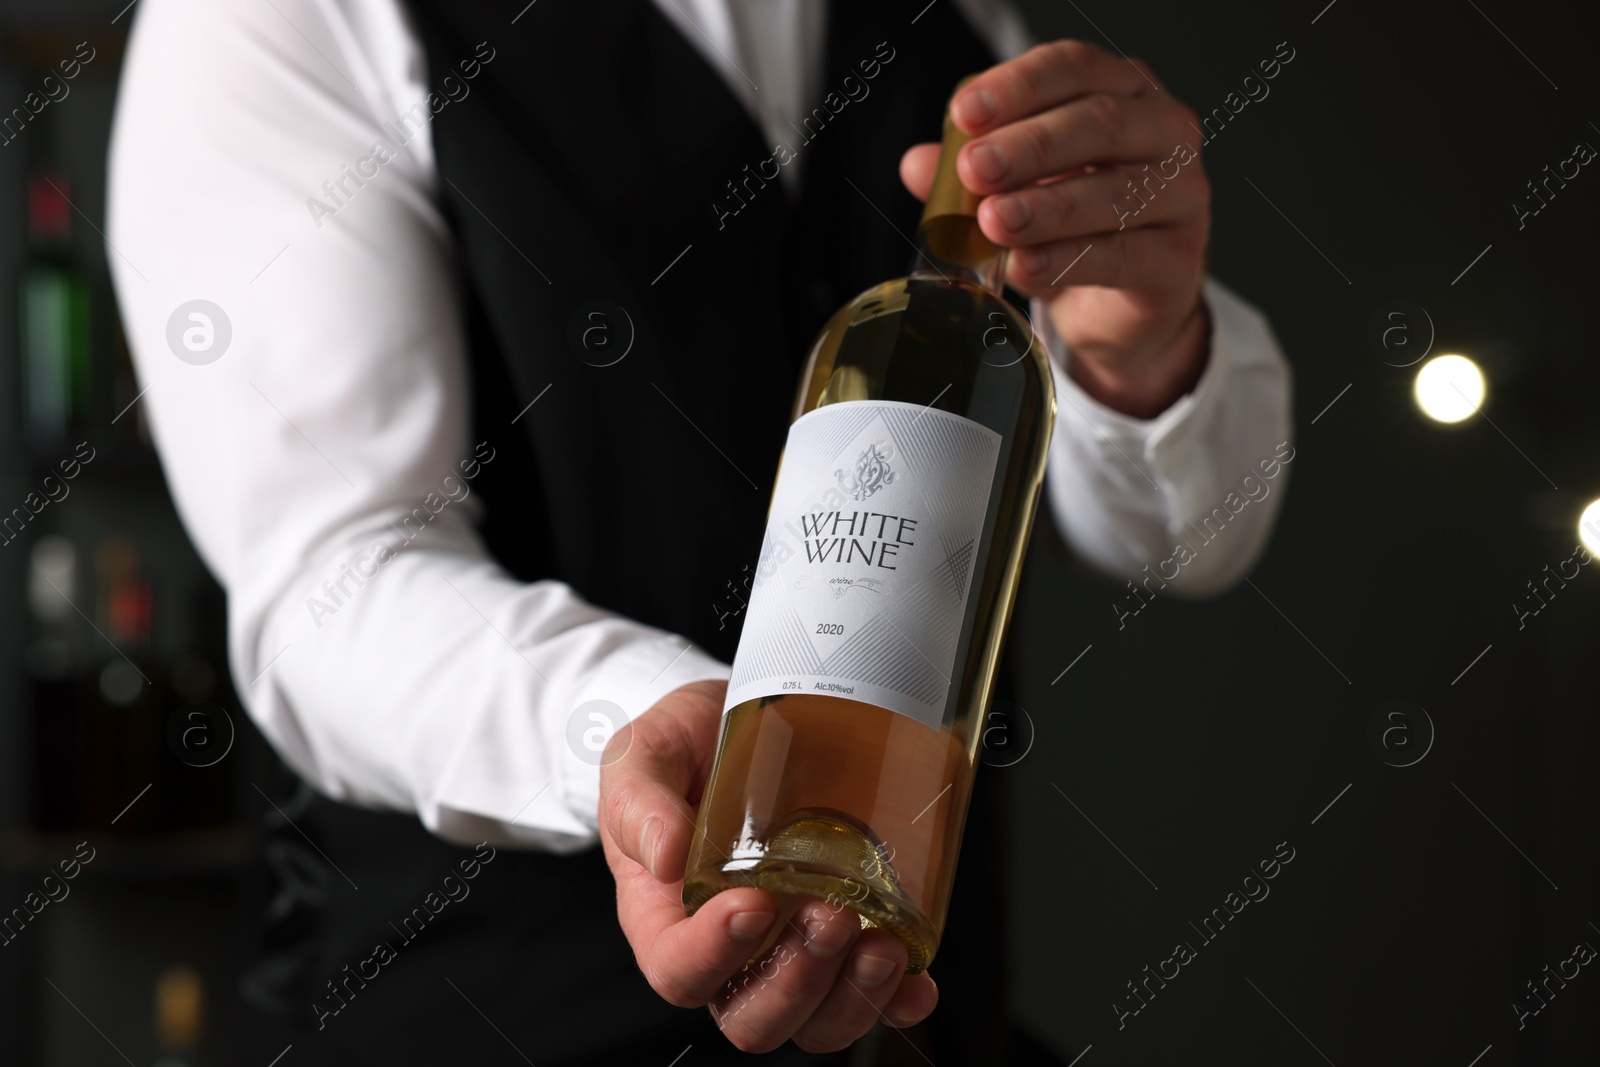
871 474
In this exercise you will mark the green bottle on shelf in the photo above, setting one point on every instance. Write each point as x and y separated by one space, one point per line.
54 317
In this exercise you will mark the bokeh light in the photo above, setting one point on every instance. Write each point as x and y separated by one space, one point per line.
1449 388
1589 527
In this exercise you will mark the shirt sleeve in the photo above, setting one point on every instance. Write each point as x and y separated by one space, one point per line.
1126 493
317 444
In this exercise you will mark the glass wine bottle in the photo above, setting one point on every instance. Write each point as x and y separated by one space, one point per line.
885 582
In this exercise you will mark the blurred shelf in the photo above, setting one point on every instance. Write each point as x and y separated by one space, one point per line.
128 463
42 49
184 853
111 462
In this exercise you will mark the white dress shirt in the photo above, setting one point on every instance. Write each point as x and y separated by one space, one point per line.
438 683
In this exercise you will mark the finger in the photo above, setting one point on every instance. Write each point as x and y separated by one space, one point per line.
1100 129
688 961
664 755
866 985
1044 77
1111 199
1151 258
913 1002
917 168
794 981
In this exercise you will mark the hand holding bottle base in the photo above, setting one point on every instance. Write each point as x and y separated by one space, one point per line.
768 970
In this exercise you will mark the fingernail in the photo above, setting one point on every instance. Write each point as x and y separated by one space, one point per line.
826 938
1032 260
903 1019
869 972
749 925
648 836
990 162
1014 212
973 108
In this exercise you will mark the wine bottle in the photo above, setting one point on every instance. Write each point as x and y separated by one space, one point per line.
904 500
55 318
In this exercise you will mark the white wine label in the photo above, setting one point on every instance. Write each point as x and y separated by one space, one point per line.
868 561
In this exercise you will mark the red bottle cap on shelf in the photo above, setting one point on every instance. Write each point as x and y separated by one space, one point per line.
49 209
130 611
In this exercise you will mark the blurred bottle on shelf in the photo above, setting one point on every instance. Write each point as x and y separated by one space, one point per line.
96 737
124 604
125 736
52 582
54 314
179 1014
53 662
126 723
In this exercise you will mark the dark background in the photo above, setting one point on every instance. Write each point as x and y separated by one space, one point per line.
1196 738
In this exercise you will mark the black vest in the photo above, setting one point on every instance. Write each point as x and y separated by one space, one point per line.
598 163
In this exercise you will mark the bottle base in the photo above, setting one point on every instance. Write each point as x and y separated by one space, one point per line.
821 854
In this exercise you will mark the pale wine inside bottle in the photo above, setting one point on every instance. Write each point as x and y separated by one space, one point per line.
897 528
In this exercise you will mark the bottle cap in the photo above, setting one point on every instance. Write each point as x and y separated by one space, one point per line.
953 240
49 209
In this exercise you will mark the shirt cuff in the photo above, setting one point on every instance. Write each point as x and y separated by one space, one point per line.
1122 488
638 681
563 816
1149 446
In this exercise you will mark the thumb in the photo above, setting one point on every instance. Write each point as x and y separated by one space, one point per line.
667 751
917 168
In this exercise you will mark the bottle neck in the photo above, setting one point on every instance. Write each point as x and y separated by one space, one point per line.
950 246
